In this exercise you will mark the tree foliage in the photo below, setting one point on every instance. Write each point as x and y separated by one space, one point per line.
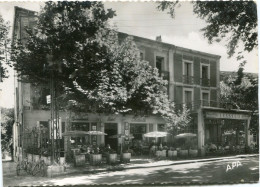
92 68
235 21
7 121
242 91
4 41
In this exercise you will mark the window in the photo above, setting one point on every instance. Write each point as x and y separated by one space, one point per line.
141 55
205 75
188 97
187 72
137 130
205 72
205 99
80 126
187 69
159 63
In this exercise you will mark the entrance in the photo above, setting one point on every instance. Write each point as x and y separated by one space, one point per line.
110 130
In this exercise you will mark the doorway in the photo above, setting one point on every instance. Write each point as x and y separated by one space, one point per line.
110 130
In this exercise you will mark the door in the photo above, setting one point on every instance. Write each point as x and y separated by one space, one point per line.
110 130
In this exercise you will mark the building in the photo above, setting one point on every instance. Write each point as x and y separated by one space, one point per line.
193 78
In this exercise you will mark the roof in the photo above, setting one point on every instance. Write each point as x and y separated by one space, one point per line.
172 46
19 10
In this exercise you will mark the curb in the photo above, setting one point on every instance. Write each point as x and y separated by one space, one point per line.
154 166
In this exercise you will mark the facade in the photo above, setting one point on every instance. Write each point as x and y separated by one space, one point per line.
193 78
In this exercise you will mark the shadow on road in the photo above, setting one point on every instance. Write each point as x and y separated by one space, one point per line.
207 172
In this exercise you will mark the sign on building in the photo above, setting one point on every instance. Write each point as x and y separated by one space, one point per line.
48 99
222 115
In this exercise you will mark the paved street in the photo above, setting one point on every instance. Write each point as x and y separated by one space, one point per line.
244 170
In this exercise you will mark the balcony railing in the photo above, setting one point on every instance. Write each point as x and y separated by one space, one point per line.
193 106
205 82
164 74
186 79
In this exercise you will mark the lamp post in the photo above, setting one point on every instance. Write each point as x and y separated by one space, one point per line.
54 126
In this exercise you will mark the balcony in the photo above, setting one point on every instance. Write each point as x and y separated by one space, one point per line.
164 74
205 82
193 106
186 79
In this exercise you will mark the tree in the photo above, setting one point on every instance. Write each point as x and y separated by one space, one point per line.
91 67
242 92
7 121
235 21
4 41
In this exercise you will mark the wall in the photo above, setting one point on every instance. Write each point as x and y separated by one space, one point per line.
177 68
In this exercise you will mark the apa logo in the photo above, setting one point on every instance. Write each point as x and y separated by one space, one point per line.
233 165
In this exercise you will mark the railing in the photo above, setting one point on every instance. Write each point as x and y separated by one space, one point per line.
186 79
205 82
164 74
193 106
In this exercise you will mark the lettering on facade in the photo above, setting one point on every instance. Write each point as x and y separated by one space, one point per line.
138 119
219 115
78 116
111 118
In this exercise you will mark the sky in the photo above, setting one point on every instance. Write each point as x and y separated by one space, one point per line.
144 20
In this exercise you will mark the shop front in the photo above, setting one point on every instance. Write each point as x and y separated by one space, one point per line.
112 125
223 128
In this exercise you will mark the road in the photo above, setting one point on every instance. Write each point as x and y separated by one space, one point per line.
244 170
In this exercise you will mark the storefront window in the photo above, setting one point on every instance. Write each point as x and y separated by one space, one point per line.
80 126
161 127
138 130
225 132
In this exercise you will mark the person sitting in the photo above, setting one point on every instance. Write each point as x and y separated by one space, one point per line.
153 150
160 147
212 147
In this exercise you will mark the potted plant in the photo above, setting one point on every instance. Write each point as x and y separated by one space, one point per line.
46 156
125 156
95 156
79 159
193 148
172 154
111 156
193 151
62 158
184 151
36 154
30 154
164 151
159 152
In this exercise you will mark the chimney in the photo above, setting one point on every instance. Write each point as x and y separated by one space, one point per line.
159 38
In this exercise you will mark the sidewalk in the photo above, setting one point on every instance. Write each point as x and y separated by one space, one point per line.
146 163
